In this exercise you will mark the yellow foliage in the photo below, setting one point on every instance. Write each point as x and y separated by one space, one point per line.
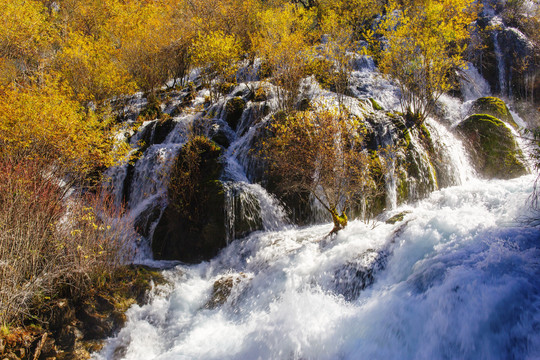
218 54
90 68
424 43
44 122
25 34
284 41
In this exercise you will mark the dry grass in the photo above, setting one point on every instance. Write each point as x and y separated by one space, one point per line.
51 243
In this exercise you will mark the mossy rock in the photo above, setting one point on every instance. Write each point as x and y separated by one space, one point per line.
152 109
234 108
375 105
397 218
494 150
493 106
192 227
222 290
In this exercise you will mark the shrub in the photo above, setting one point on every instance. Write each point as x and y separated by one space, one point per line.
49 244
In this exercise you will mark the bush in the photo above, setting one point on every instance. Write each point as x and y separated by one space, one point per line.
51 245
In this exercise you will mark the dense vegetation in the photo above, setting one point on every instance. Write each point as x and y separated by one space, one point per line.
65 65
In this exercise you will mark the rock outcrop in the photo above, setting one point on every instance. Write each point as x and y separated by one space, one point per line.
494 151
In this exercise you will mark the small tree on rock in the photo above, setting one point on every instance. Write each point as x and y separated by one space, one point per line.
321 152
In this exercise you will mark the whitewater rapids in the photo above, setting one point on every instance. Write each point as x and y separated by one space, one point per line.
457 278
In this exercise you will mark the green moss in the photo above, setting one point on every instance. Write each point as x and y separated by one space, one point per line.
495 153
425 132
234 108
402 190
397 218
375 104
407 137
493 106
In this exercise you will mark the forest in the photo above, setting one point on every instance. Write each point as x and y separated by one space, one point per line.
71 70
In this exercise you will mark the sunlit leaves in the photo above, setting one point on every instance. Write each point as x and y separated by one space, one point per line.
422 46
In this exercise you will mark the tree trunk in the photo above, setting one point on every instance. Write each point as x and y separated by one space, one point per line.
340 221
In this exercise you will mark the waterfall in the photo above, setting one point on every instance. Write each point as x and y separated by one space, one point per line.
389 291
500 65
452 275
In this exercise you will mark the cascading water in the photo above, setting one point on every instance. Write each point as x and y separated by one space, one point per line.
458 277
454 275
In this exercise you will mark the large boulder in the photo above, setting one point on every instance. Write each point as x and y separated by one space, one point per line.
192 227
493 106
493 149
234 108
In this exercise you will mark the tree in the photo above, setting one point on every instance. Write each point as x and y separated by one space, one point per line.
26 38
333 67
218 55
321 152
89 65
422 46
283 41
42 122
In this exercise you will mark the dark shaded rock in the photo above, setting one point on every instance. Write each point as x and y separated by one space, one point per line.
143 223
192 227
244 213
220 138
68 336
493 106
494 151
162 129
304 104
234 108
358 274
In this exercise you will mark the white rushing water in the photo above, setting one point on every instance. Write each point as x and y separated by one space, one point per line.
457 278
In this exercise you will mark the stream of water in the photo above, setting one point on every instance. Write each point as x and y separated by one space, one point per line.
458 277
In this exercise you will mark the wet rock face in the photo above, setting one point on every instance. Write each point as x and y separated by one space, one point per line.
508 60
192 227
222 290
494 152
